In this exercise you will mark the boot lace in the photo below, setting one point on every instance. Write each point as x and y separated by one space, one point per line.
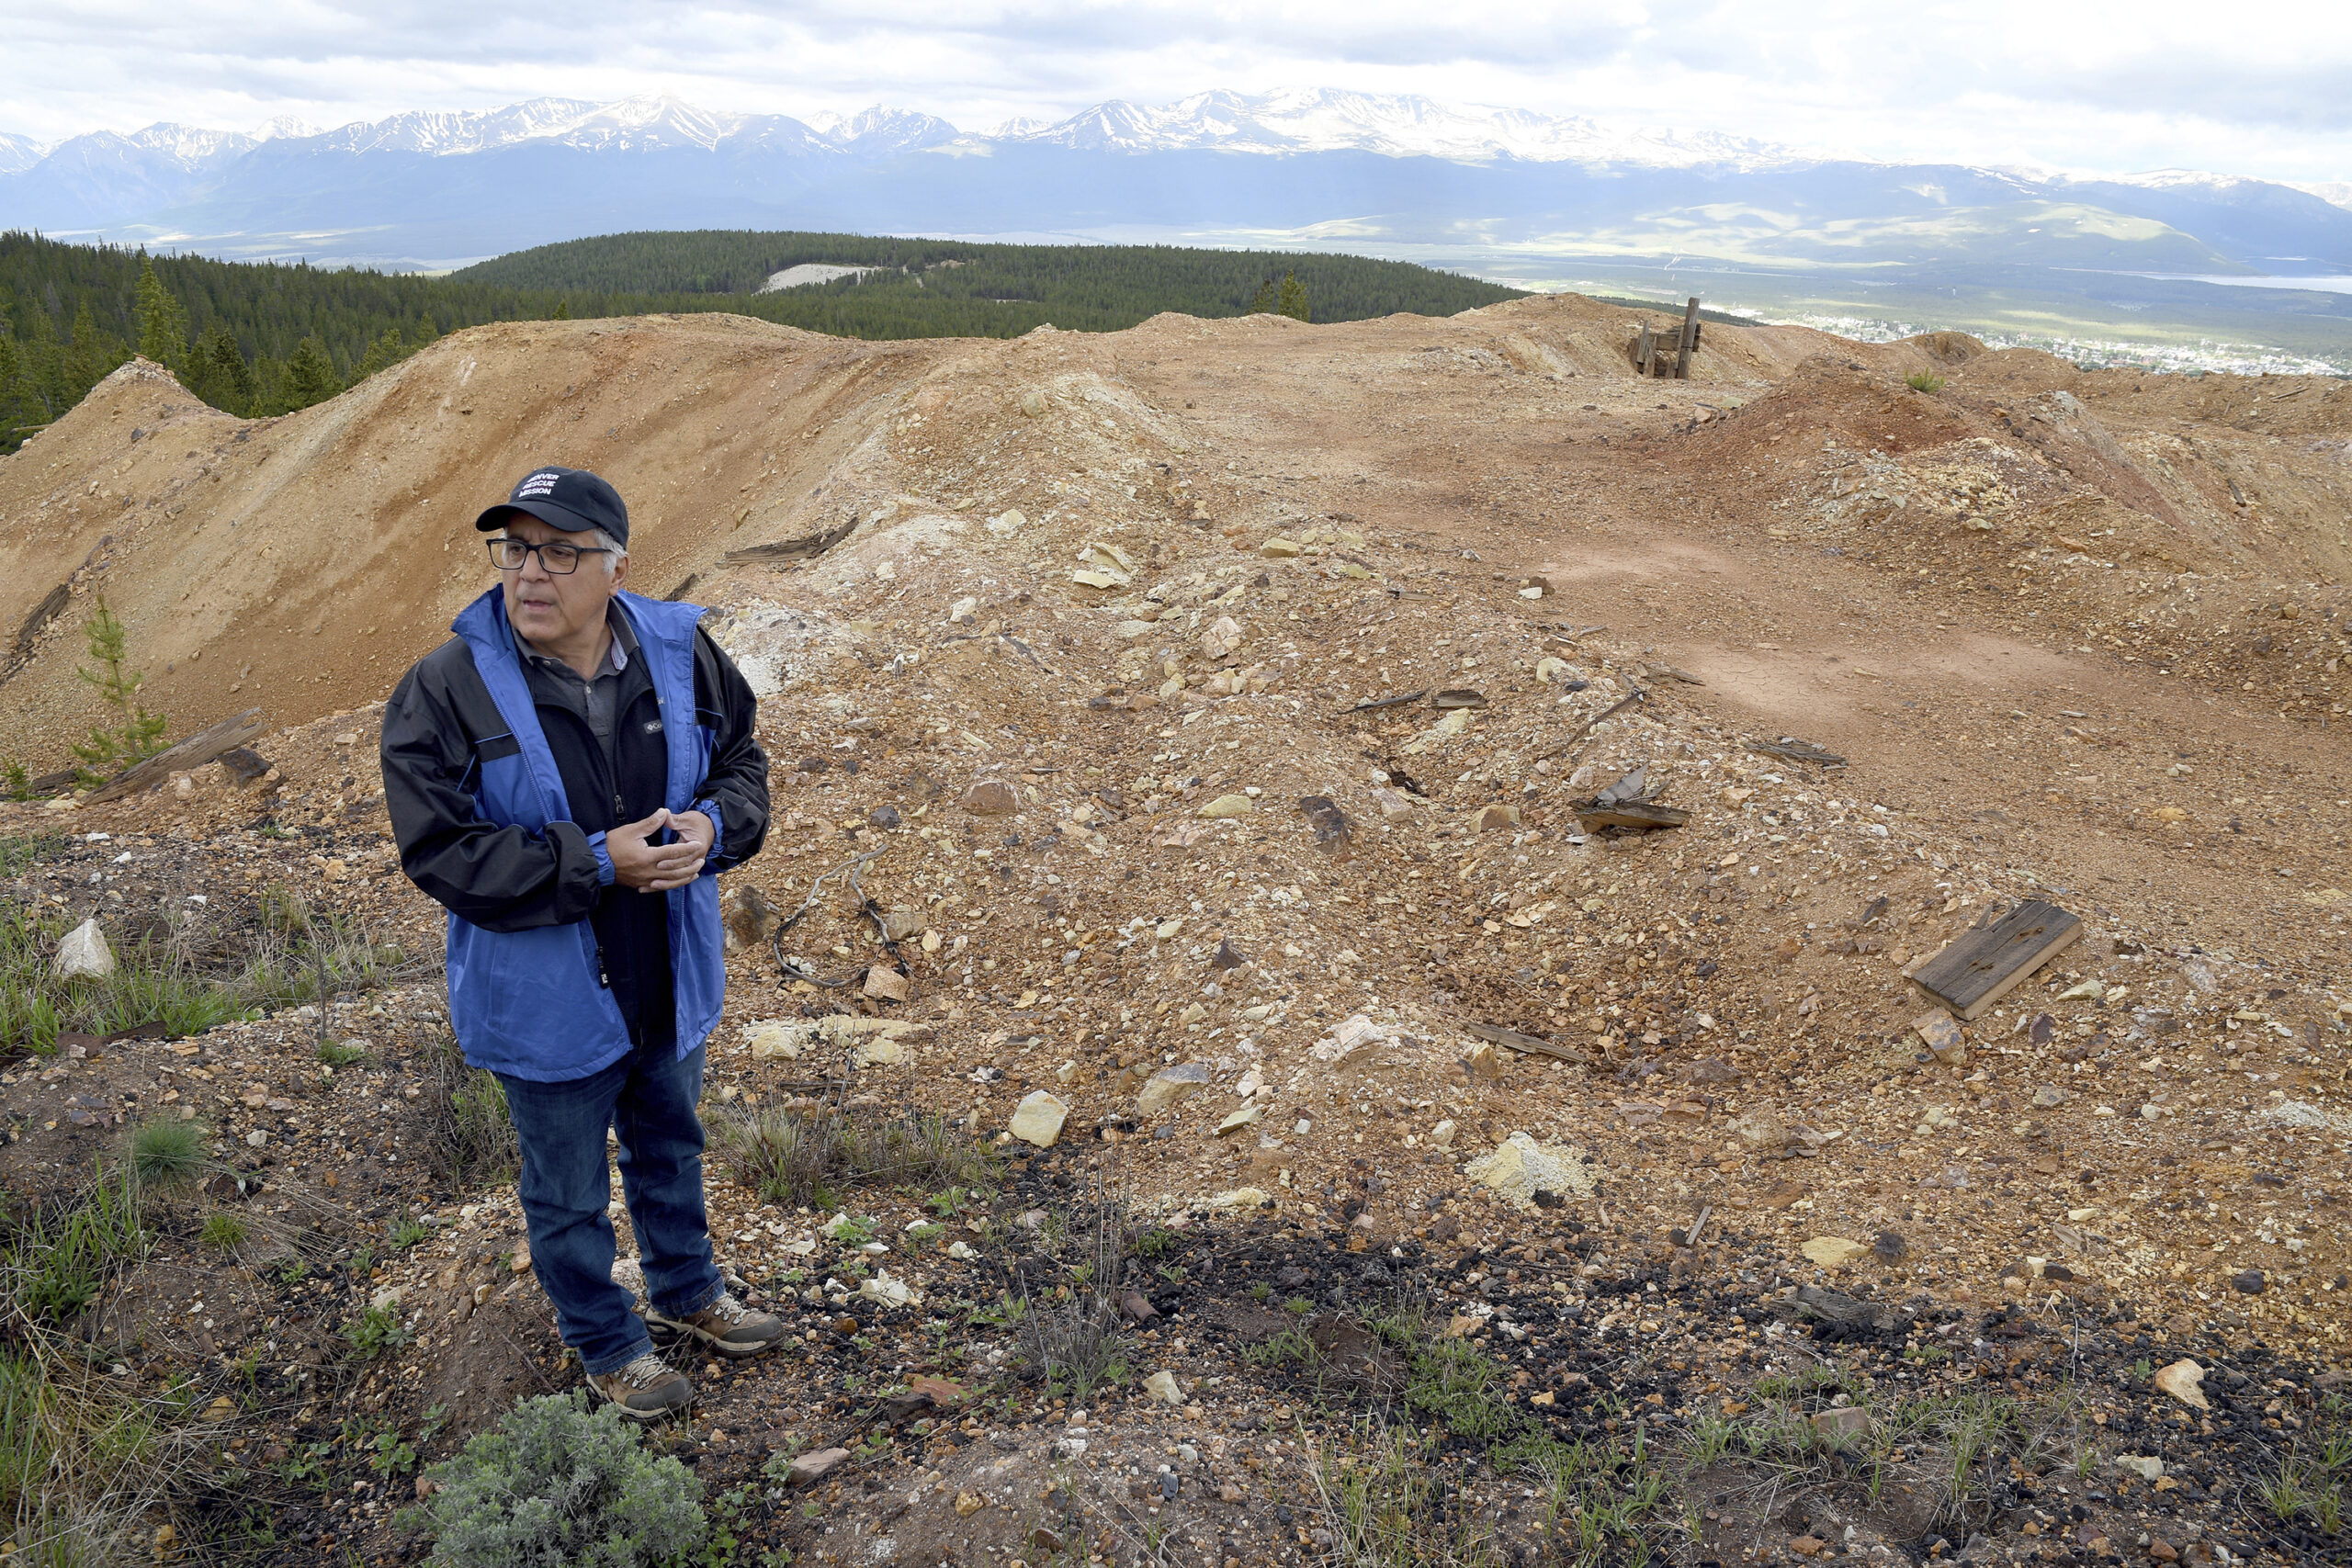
645 1371
728 1310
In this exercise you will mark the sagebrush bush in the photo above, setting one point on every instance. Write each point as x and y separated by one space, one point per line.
558 1485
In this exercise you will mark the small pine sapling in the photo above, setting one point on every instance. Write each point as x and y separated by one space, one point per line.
137 734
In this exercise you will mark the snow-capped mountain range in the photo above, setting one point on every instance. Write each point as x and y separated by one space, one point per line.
1509 193
1303 121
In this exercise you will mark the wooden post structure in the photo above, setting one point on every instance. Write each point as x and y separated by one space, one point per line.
1689 340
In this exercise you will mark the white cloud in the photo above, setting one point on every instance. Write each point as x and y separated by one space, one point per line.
2093 84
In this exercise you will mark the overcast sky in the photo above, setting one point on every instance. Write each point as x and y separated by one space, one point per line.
2257 87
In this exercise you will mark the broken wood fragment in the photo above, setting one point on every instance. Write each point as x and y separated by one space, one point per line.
1390 702
1532 1045
1797 750
1596 722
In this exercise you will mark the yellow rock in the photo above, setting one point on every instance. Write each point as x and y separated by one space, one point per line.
2181 1380
1834 1251
1281 549
1230 806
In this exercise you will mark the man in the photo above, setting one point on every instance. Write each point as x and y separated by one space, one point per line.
565 776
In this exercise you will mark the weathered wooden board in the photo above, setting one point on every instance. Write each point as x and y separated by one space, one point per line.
786 551
1980 967
1592 815
193 752
1532 1045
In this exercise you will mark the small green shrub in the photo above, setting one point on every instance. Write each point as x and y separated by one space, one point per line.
167 1151
557 1482
335 1053
408 1230
375 1331
225 1231
1924 381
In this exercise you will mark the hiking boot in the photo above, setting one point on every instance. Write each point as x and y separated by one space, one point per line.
727 1325
646 1389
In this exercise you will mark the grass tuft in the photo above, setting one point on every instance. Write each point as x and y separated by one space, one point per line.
169 1151
802 1158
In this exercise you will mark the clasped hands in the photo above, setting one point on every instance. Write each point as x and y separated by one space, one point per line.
642 861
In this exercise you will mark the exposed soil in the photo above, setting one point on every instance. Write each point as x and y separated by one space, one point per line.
2075 635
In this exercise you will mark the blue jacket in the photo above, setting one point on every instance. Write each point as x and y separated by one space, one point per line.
480 805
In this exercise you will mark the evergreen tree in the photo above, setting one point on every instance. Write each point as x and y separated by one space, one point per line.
137 734
310 375
163 324
385 350
88 359
562 311
218 372
1264 304
1294 297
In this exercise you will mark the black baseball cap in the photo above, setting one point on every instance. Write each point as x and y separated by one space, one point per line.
570 499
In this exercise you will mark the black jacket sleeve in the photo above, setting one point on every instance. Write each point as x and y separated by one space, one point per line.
502 879
737 780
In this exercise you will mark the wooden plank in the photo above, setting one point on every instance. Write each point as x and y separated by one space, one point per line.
1513 1040
786 551
1689 340
193 752
1592 815
1642 347
41 614
1982 966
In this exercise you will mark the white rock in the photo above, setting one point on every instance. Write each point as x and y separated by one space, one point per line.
883 1052
1007 522
1170 1086
1442 1135
2145 1466
1246 1117
1038 1119
1519 1167
888 1291
1162 1386
84 954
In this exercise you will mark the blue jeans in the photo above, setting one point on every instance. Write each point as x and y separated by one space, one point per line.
648 1097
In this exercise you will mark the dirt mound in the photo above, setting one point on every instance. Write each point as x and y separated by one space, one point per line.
1235 695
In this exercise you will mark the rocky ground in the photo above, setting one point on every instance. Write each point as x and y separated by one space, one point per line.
1206 710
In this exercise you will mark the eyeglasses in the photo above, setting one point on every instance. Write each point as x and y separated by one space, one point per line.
558 557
